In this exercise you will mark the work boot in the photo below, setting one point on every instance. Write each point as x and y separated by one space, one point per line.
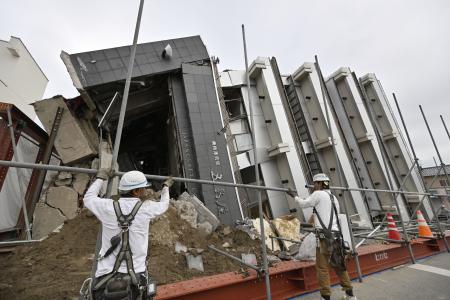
349 295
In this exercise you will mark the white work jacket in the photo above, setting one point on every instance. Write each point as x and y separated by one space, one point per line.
103 209
321 201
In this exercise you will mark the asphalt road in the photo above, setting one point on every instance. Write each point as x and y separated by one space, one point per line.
428 279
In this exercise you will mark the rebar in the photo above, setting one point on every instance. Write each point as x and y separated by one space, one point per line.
256 268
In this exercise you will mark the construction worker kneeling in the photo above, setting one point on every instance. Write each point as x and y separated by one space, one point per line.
331 249
121 267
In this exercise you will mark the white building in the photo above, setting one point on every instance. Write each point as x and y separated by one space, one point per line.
21 79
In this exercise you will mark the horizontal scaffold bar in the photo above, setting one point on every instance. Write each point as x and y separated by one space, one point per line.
23 165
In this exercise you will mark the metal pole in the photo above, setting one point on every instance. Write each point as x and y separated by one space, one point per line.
445 126
338 167
12 164
123 107
16 158
405 233
256 268
385 157
423 198
446 175
119 127
255 158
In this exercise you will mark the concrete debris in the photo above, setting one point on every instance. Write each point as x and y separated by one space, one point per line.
246 226
204 214
80 183
46 219
226 230
195 262
268 232
72 142
95 164
180 248
293 249
187 212
289 229
63 179
206 227
226 245
65 199
249 258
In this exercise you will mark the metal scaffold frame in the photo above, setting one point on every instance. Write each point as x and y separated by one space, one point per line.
264 269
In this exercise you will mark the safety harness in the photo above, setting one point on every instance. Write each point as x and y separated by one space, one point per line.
334 240
124 222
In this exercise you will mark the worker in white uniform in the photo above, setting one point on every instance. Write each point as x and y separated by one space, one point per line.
320 200
132 189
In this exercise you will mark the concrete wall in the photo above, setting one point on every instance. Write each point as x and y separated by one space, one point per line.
21 80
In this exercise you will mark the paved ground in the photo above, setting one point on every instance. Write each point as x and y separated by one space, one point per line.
429 279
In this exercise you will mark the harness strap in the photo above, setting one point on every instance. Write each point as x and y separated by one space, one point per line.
125 250
327 230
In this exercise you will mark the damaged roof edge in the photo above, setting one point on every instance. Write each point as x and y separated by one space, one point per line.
76 80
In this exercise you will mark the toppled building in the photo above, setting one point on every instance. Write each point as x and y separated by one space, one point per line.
173 123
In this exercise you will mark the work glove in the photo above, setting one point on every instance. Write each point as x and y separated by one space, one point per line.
105 174
168 182
291 193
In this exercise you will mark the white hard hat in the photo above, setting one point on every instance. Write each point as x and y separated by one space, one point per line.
321 177
132 180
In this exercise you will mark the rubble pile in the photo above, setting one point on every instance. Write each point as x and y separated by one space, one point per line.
56 267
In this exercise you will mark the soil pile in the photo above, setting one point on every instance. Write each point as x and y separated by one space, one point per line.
56 267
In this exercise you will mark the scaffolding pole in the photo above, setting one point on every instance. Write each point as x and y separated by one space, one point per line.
338 167
446 176
445 126
255 159
385 158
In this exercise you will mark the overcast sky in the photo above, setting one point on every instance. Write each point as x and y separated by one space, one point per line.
406 43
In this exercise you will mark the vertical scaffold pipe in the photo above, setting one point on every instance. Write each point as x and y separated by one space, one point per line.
325 97
445 172
258 192
120 124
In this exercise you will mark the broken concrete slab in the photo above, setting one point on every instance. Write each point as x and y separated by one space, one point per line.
187 212
204 214
195 262
65 199
268 232
46 219
80 183
71 141
289 229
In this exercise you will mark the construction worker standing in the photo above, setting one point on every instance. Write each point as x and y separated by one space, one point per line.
121 269
329 236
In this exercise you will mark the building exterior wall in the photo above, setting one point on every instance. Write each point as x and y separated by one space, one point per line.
21 80
309 95
399 158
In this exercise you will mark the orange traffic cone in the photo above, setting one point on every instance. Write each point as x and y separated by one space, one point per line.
424 229
393 233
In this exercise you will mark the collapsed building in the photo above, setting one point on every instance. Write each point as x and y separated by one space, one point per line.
185 118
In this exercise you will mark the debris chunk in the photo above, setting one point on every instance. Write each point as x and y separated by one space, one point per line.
195 262
65 199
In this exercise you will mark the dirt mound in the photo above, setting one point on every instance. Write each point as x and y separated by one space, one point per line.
56 267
